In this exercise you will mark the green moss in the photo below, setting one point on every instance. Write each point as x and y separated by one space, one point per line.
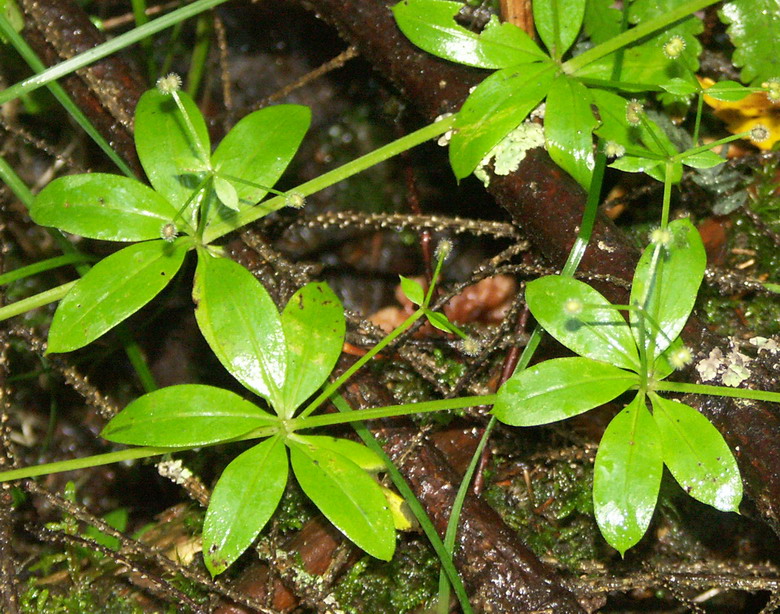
407 582
76 600
556 519
294 509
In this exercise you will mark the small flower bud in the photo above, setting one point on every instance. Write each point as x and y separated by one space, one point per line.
681 357
470 346
660 236
772 88
674 47
169 83
168 232
443 249
572 306
296 200
634 111
614 150
759 133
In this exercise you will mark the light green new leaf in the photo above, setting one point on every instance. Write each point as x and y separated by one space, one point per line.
226 193
102 206
680 87
115 288
558 23
753 26
257 150
169 156
186 415
245 497
558 389
498 105
730 91
413 290
627 476
666 282
347 496
568 127
430 25
314 327
363 457
241 325
440 321
697 456
703 159
584 321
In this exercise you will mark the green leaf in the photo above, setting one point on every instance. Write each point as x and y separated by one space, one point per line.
186 415
753 26
440 321
666 282
730 91
245 497
601 22
314 327
494 109
226 193
697 456
680 87
584 321
703 159
568 127
257 150
101 206
347 496
634 164
430 25
363 457
171 160
241 325
627 476
558 23
413 290
663 368
558 389
115 288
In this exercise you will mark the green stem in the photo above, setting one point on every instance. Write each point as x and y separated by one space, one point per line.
680 157
40 267
33 302
634 34
29 56
115 44
200 52
323 181
699 109
414 505
83 463
336 384
390 411
720 391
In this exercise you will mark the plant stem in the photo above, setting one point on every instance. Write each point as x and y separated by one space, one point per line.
115 44
634 34
414 505
42 266
323 181
39 300
719 391
680 157
59 93
83 463
390 411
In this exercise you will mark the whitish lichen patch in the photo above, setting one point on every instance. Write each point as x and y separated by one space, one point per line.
731 369
508 154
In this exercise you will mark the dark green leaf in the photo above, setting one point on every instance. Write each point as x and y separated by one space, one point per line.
257 149
568 127
697 456
413 290
558 23
347 496
558 389
582 319
627 476
115 288
494 109
753 26
363 457
430 25
171 159
730 91
602 22
186 415
241 325
245 497
666 282
101 206
314 327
